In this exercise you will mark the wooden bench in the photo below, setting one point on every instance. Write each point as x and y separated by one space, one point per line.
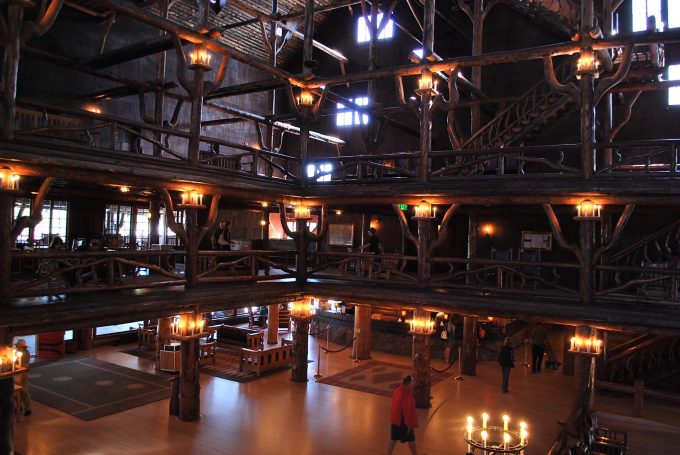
238 336
146 337
259 360
207 349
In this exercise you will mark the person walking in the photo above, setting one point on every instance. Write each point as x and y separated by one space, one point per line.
538 338
403 416
22 379
222 237
506 359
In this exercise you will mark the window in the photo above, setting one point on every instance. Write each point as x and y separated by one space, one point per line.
674 92
642 9
312 170
349 118
117 221
673 14
54 220
142 227
362 30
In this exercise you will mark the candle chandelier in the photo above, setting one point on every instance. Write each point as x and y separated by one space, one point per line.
488 439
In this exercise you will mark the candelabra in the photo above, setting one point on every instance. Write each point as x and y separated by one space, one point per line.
488 439
188 327
10 362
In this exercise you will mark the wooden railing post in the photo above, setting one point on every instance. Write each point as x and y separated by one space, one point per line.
639 397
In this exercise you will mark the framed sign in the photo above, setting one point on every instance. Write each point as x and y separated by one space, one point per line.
341 234
536 240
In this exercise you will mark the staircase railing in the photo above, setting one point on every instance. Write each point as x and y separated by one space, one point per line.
658 247
511 123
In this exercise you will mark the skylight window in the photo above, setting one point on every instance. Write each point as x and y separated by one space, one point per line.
313 169
348 117
674 92
642 9
673 14
363 34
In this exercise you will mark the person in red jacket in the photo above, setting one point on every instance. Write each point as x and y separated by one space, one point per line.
403 416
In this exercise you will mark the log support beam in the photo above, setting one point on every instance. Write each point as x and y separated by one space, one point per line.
300 349
189 382
362 332
469 351
6 403
421 364
273 324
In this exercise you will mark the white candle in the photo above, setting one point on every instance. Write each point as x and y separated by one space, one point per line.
573 343
506 440
484 436
505 422
485 418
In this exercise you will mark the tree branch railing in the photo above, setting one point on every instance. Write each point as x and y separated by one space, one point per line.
363 267
641 157
221 266
638 284
107 133
55 273
507 276
358 168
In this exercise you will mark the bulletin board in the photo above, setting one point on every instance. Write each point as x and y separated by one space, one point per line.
341 234
532 240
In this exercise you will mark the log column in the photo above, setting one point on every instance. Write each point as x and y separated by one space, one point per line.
6 403
421 363
424 228
189 382
15 15
585 370
273 324
191 265
154 222
362 332
587 96
85 339
469 360
586 276
163 336
300 348
302 245
6 245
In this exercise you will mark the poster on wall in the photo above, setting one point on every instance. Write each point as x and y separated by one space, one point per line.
536 240
341 234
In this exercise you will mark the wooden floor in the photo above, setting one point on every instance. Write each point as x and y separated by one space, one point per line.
273 415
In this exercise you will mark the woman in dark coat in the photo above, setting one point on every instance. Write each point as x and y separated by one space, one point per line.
506 359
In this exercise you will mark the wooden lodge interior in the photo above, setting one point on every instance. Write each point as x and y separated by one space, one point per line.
408 183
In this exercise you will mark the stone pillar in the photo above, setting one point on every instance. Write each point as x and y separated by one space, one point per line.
469 360
300 349
189 382
273 324
421 364
362 331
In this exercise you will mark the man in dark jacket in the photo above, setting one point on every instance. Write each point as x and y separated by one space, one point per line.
506 359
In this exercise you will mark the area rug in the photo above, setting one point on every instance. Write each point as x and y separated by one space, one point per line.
89 388
143 353
373 376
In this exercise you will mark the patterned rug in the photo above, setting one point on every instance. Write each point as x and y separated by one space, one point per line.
373 376
143 353
88 388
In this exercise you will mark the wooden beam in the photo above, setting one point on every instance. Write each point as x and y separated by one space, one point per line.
131 52
126 90
322 47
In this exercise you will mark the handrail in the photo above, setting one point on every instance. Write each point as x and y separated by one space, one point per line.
662 232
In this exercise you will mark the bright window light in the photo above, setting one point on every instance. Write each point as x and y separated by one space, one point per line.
673 14
418 52
642 9
348 117
312 170
674 92
364 36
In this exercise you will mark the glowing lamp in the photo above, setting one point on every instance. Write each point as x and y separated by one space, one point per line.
199 58
587 210
426 84
590 346
9 180
302 212
306 99
421 326
487 229
188 325
124 189
263 223
192 199
423 210
489 438
338 212
302 310
265 205
587 64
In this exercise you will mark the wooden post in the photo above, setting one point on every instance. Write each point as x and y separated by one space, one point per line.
174 397
305 120
585 370
159 98
191 259
362 331
15 15
425 137
421 364
6 245
469 360
300 349
154 221
133 228
6 403
587 95
85 339
586 281
424 228
189 379
473 223
196 117
163 335
273 324
568 362
302 244
639 397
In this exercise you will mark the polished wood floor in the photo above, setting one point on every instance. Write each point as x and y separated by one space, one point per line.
273 415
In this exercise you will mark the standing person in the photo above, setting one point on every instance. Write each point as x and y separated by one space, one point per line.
506 359
403 416
22 379
222 237
538 337
373 243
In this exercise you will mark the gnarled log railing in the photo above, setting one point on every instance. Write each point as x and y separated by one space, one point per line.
363 267
640 284
260 265
641 157
360 168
